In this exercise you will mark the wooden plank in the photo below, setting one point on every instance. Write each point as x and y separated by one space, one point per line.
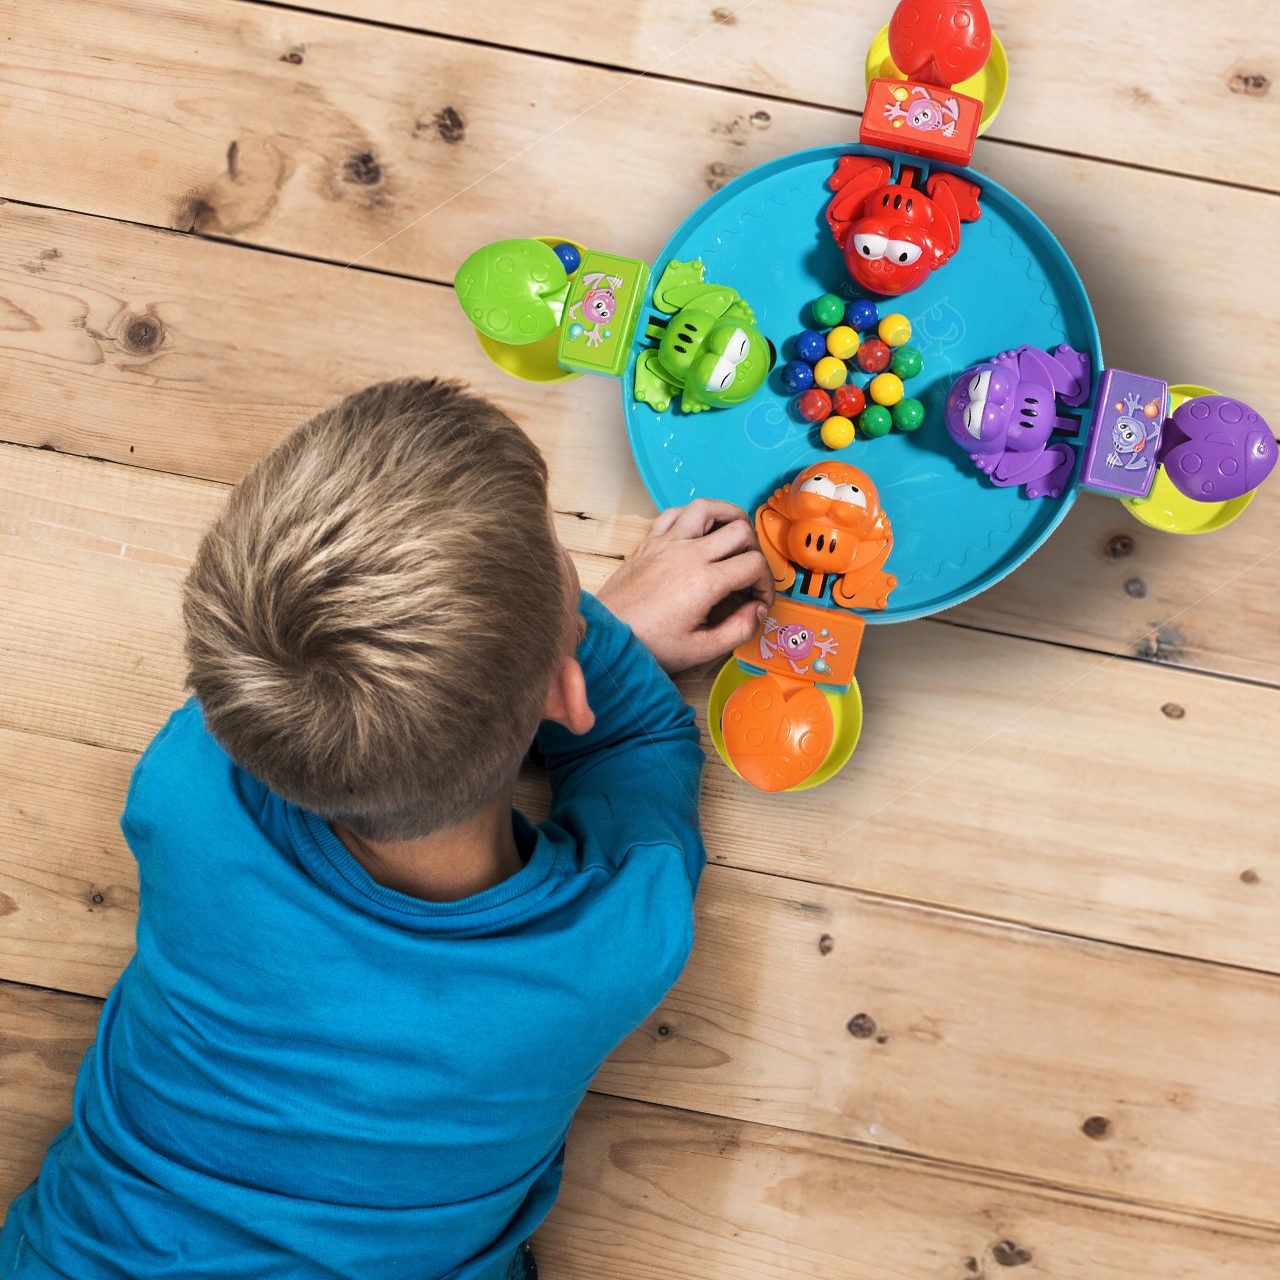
1150 83
1105 582
68 883
1145 266
988 1045
239 365
187 356
654 1193
1012 779
43 1036
91 578
971 1042
657 1194
191 114
981 1044
1035 784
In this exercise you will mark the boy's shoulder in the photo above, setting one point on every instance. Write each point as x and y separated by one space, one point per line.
185 776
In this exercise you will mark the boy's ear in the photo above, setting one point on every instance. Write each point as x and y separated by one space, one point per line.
567 698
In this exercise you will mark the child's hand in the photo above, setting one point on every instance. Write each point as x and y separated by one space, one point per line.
691 560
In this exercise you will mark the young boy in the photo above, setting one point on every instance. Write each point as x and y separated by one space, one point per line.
368 995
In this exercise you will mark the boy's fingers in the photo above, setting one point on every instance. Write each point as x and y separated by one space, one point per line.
746 572
732 631
729 539
664 521
703 514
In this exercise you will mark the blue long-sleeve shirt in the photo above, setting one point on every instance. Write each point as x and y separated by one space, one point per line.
304 1074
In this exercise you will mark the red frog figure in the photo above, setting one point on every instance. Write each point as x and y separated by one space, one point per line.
893 234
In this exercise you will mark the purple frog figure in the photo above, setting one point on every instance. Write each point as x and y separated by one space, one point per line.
1216 448
1003 412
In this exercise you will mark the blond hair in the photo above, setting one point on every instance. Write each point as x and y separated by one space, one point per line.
374 619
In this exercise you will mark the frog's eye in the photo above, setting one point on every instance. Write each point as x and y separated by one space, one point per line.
903 252
819 484
851 494
722 375
737 347
869 246
979 384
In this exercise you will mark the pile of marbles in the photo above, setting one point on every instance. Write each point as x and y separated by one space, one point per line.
819 375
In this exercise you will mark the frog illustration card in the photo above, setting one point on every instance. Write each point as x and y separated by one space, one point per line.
602 312
807 642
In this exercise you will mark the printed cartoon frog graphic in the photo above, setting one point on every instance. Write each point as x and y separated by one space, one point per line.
926 114
597 306
1133 431
793 642
709 352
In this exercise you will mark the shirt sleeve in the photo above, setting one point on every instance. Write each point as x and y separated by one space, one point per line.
644 749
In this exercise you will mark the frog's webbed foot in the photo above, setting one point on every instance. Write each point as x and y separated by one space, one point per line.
870 595
652 386
676 275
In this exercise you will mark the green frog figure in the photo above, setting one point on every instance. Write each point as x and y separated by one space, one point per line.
709 352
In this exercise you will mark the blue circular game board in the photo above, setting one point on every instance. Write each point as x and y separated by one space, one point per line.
765 234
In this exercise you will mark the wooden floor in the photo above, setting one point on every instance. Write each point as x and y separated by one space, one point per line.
1045 896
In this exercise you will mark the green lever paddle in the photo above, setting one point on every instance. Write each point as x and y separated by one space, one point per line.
513 291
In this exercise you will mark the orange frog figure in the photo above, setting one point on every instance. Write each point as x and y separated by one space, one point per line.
828 523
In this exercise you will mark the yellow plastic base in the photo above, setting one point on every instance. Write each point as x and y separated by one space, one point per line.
989 86
846 711
533 361
1168 509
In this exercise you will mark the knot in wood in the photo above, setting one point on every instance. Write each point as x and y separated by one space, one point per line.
1120 546
1254 84
664 1030
143 335
1096 1127
1174 710
1008 1254
451 127
826 943
97 899
862 1026
1136 588
364 169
